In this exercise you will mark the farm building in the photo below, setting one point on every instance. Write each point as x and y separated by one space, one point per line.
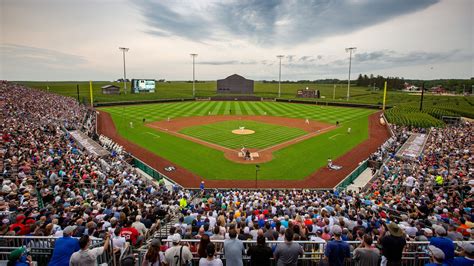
110 89
235 84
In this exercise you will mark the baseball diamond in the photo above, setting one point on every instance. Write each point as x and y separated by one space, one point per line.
197 138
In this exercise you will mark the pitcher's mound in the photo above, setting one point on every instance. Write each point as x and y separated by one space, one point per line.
243 131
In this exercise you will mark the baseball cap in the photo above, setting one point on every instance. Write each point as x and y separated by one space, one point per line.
176 238
467 247
436 252
440 230
69 229
16 254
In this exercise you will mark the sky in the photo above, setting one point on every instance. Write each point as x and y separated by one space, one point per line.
79 40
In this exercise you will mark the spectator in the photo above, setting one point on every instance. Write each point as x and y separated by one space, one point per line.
393 243
260 254
18 258
131 234
202 246
442 242
287 253
233 249
337 251
178 255
86 256
154 257
64 247
466 256
365 254
139 225
210 260
436 256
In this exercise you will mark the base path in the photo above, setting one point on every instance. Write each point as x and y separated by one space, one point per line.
322 178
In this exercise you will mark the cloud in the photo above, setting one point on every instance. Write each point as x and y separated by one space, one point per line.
387 57
382 59
163 20
270 22
230 62
34 56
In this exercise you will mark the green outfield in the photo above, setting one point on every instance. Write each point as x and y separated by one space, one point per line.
265 134
290 163
406 111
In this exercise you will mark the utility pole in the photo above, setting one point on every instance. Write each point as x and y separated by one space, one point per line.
350 49
422 92
194 79
279 76
257 168
124 49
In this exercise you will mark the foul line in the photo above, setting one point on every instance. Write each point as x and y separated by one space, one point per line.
335 135
156 136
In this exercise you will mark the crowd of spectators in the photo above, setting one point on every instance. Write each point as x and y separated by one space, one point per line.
428 198
50 184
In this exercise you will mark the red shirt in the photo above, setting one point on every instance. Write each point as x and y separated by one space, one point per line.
130 234
21 226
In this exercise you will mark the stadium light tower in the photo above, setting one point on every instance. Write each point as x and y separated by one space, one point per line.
194 80
350 49
124 49
279 76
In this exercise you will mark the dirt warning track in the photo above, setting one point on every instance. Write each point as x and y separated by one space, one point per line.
322 178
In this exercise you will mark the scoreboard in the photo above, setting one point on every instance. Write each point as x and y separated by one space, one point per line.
143 85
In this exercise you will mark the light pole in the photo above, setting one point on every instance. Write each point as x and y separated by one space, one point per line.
279 76
350 49
257 168
124 49
194 80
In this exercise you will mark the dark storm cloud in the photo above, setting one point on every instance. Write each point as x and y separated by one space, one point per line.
272 21
164 21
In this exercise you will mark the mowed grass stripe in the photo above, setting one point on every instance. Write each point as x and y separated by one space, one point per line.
236 107
207 108
246 107
217 109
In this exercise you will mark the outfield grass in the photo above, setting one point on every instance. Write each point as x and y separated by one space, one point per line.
290 163
265 134
406 103
180 89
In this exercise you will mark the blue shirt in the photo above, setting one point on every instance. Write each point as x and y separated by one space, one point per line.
446 245
463 261
63 249
337 251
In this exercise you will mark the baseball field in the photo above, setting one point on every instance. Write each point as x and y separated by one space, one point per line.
290 143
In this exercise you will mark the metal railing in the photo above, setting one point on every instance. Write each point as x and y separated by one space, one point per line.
40 248
414 254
